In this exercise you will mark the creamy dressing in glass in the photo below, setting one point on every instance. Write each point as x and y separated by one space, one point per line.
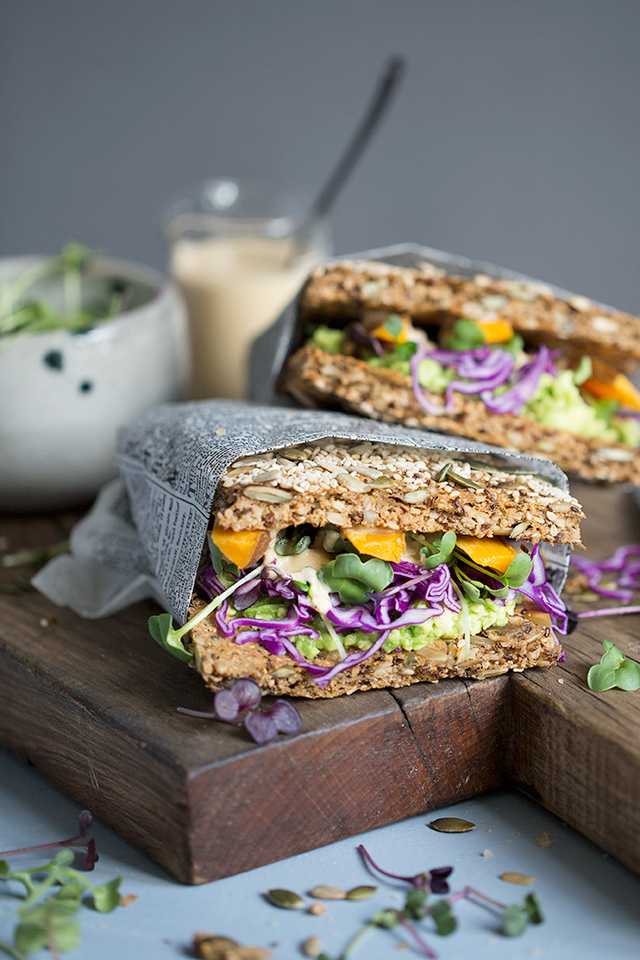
234 288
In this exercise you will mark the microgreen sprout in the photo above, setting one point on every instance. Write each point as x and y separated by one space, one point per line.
163 632
239 704
20 314
47 916
433 881
85 820
614 670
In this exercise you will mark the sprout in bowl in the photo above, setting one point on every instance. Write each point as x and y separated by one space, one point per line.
86 343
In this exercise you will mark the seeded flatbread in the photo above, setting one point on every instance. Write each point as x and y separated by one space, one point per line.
350 289
526 641
356 290
318 378
397 488
345 484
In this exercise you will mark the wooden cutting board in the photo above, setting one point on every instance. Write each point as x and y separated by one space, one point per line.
92 705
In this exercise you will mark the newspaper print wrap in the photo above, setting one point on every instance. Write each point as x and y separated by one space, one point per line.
270 350
172 458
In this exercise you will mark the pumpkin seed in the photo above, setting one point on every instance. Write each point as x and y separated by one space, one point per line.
285 899
463 481
209 947
361 893
452 825
521 878
443 472
323 892
382 481
267 494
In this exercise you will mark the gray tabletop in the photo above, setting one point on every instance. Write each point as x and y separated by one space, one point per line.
591 903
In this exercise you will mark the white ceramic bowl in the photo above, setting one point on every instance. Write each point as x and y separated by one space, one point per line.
64 395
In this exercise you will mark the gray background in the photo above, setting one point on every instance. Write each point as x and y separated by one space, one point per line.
514 137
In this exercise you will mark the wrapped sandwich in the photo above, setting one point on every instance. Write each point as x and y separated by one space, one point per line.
503 361
338 566
320 554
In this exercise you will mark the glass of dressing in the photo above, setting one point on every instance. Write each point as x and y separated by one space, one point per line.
239 250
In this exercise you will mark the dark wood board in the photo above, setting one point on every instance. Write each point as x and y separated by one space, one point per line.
92 704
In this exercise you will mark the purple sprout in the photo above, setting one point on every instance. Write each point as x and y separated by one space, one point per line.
239 705
85 820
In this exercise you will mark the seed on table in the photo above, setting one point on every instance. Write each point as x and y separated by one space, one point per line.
323 892
452 825
285 899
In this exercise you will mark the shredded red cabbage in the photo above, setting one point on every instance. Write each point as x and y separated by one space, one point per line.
542 593
482 370
394 607
621 564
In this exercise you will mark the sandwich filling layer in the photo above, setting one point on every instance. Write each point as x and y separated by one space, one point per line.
340 566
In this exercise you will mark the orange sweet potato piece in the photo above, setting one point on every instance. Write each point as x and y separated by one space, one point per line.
493 552
618 387
242 547
376 541
495 331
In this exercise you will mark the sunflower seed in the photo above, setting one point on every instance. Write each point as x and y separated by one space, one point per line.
579 303
415 496
452 825
266 476
283 672
267 494
352 483
519 529
285 899
312 947
616 454
323 892
521 878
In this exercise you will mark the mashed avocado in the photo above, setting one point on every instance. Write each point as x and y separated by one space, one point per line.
448 626
558 403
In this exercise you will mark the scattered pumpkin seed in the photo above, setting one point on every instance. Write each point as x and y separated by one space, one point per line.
361 893
210 947
452 825
267 494
323 892
285 899
521 878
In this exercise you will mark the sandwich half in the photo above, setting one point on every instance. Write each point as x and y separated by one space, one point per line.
501 361
338 566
